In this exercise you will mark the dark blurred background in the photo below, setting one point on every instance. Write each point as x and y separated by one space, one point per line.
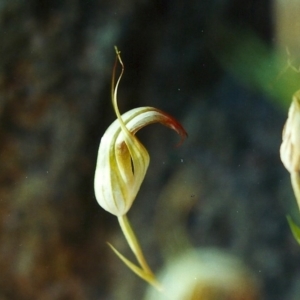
221 67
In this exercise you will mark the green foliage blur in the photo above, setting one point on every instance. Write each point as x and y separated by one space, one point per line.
257 64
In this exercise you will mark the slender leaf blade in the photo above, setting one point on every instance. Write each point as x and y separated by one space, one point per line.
295 229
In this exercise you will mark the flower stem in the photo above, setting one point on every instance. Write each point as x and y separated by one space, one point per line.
133 242
295 179
137 250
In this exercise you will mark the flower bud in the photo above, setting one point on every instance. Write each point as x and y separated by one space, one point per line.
290 146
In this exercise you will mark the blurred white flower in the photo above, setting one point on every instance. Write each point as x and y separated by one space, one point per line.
206 274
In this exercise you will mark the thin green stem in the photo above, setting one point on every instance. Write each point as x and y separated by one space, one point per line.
145 271
295 179
133 243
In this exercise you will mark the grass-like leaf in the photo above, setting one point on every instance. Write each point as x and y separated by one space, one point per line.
294 228
149 277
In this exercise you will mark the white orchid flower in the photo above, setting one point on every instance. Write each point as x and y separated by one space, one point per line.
122 165
290 147
290 154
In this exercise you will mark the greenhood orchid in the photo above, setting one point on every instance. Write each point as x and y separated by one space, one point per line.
122 165
290 154
290 147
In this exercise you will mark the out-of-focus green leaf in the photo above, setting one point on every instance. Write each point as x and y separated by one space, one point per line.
256 64
295 229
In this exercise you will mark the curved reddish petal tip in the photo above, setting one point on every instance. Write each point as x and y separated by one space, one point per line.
175 125
183 134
